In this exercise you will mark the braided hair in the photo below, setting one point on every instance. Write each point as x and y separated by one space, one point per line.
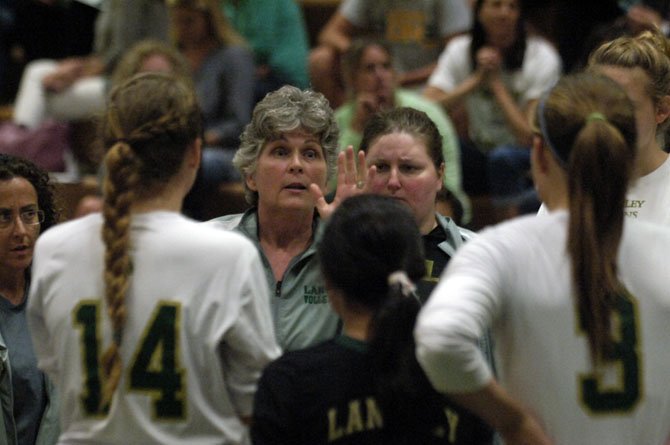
151 120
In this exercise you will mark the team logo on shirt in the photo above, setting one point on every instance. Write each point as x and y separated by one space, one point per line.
631 207
315 295
361 415
431 276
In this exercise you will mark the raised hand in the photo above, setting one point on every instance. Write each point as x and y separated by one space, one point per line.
352 179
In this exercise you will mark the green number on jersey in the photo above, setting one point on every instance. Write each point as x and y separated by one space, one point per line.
155 366
86 316
602 397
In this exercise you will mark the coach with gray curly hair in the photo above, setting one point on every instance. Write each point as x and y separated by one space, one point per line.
287 155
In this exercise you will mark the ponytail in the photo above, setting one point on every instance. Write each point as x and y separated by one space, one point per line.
596 226
588 123
401 387
374 264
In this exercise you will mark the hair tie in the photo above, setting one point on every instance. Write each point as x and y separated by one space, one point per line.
596 116
400 278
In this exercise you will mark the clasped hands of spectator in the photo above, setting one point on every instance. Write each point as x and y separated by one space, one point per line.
489 64
367 105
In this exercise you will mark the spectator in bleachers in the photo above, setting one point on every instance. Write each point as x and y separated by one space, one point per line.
276 32
495 76
635 17
568 24
417 32
41 29
151 55
7 21
646 14
146 55
223 73
221 65
74 88
372 87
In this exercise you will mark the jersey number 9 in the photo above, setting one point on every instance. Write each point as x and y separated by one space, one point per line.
601 397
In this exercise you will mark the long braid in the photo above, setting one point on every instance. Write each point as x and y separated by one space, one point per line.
151 120
123 176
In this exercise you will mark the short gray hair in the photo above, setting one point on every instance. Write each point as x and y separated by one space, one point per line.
282 111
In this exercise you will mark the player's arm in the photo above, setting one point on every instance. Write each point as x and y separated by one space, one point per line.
47 359
517 119
507 416
458 313
250 344
450 99
421 74
416 76
337 32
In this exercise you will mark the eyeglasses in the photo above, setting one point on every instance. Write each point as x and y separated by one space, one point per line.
30 217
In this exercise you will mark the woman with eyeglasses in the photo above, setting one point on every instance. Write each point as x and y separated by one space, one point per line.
29 414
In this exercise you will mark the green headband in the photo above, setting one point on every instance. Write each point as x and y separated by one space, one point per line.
596 116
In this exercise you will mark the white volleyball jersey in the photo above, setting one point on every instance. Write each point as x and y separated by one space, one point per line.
648 198
516 278
197 335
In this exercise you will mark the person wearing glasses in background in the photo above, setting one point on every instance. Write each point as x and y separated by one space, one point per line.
29 413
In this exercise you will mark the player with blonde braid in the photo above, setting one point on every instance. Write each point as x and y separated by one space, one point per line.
123 178
188 329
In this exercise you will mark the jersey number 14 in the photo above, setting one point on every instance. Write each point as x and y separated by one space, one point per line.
154 368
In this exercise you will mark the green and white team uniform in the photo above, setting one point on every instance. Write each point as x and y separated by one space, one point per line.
198 331
516 278
648 198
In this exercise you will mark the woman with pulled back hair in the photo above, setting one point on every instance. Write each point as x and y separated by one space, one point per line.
140 315
641 66
364 386
575 297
